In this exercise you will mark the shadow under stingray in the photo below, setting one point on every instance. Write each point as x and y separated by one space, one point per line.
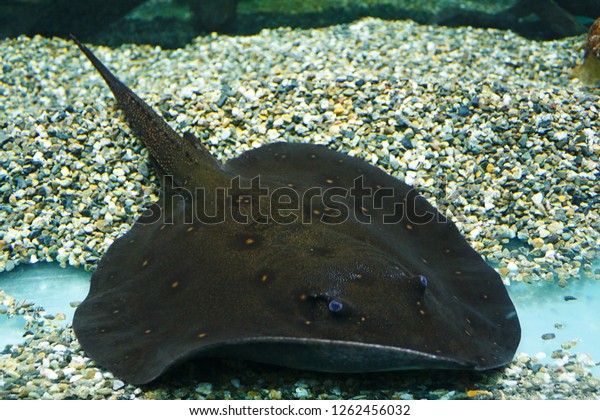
237 379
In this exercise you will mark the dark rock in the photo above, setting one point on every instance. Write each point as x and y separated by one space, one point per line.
463 111
401 123
143 168
523 140
407 144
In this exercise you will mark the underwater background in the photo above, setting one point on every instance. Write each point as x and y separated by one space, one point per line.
481 105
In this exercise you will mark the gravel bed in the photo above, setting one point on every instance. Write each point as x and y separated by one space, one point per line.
489 126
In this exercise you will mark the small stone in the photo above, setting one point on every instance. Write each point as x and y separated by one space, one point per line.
275 394
537 243
104 391
99 159
75 378
117 384
38 158
301 392
204 388
548 336
394 162
119 172
568 344
407 143
68 371
50 374
59 348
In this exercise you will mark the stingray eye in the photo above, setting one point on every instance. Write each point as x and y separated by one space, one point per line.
335 306
423 280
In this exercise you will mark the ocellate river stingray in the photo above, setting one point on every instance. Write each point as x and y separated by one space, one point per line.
290 254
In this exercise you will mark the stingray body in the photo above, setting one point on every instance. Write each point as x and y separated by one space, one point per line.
290 254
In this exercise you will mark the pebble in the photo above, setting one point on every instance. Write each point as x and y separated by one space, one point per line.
50 374
301 393
275 394
117 384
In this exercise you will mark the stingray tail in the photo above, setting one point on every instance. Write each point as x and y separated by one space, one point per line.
172 154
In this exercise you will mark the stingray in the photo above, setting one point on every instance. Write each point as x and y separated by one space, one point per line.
289 254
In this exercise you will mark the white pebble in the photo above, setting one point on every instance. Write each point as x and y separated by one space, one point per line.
272 134
301 392
50 374
117 384
38 158
68 371
569 377
99 159
75 378
59 348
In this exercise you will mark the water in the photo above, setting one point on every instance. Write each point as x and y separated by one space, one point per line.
46 285
541 308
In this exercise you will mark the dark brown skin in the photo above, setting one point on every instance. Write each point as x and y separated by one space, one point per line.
301 286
